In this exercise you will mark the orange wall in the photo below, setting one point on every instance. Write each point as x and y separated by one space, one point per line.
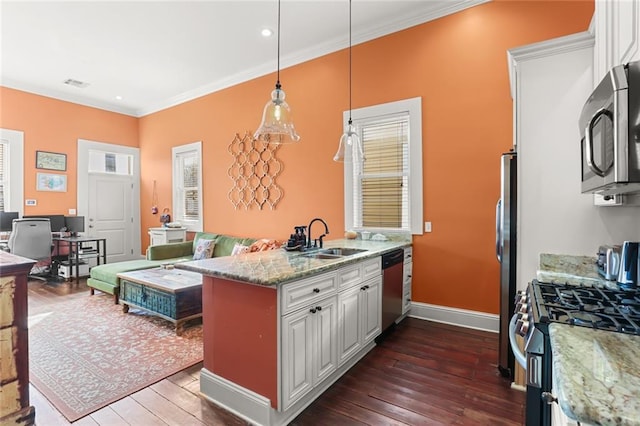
458 66
52 125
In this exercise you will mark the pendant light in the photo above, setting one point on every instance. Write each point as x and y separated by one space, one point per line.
350 145
276 126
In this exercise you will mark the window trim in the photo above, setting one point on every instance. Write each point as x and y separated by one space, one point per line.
15 141
191 225
413 106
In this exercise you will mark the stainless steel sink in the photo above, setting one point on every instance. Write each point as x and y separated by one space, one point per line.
332 253
342 251
318 255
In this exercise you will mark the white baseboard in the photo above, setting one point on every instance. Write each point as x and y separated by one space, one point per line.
242 402
255 408
455 316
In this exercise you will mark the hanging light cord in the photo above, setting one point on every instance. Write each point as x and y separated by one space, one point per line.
350 122
278 86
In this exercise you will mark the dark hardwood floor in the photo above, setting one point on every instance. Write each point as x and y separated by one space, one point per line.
423 373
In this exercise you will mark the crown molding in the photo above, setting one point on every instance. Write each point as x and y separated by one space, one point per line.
316 51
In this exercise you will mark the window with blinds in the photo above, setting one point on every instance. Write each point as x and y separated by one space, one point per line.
382 181
190 169
384 193
187 186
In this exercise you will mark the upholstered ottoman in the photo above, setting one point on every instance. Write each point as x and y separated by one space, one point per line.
105 277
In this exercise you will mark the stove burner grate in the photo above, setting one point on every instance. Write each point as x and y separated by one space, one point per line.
595 307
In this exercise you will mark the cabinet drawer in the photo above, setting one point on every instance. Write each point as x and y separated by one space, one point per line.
371 268
408 254
301 293
407 269
349 276
406 297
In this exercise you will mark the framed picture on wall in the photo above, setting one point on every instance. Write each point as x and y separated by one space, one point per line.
51 182
51 161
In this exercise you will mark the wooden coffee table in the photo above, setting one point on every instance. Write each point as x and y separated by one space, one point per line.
172 294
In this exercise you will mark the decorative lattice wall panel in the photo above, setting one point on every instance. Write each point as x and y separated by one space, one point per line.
253 172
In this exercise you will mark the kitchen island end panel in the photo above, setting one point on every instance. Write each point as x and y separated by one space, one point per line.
240 323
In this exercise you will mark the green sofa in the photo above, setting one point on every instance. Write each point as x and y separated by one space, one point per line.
105 277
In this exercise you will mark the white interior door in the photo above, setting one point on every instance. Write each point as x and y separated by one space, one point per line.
109 196
110 214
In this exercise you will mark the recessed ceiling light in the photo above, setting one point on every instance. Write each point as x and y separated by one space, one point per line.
266 32
119 97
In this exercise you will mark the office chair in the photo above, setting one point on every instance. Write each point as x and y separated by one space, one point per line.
31 238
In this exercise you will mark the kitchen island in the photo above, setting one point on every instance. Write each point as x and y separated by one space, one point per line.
596 373
280 327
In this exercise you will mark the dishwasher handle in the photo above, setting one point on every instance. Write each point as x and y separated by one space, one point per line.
392 258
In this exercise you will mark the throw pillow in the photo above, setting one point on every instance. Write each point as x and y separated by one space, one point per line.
265 244
204 249
239 249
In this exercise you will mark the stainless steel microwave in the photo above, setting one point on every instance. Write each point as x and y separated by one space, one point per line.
610 133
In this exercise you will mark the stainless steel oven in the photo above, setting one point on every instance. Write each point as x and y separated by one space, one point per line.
543 303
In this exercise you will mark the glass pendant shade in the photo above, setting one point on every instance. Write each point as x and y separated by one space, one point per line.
276 125
350 147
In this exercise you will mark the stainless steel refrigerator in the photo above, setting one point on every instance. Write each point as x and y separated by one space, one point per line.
506 221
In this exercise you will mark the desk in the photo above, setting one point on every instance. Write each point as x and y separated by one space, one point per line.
75 246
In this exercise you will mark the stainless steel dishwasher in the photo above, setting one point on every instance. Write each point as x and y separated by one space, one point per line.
391 287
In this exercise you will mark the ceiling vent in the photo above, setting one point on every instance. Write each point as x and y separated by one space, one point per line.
76 83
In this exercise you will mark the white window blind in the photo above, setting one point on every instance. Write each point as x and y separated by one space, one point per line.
187 186
382 182
190 168
384 193
11 170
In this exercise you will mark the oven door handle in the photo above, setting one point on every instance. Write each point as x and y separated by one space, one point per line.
517 352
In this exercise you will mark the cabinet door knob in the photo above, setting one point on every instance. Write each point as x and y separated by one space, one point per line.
319 308
312 310
316 290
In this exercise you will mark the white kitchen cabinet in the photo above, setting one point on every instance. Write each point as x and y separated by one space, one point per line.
559 418
407 269
326 320
371 309
167 235
616 25
359 317
308 348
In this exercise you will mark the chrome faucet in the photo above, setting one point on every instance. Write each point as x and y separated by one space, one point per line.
315 242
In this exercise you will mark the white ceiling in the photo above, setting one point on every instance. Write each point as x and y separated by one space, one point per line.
155 54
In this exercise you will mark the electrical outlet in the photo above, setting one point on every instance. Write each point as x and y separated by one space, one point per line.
427 227
72 211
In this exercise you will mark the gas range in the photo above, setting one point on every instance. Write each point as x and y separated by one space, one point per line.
545 303
595 307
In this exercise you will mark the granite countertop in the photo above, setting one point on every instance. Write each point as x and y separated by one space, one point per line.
596 374
270 268
577 270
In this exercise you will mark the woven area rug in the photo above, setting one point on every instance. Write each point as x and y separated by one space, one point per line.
86 353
